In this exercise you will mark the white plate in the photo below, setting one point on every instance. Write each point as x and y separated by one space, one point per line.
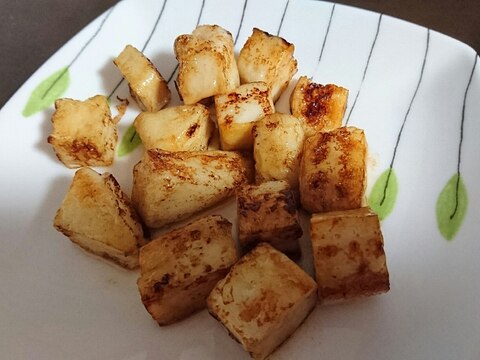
414 91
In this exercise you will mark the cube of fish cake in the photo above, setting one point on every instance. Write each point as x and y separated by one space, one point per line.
348 254
320 107
263 299
278 142
179 128
146 84
179 269
84 133
96 215
333 170
268 213
207 65
267 58
171 186
237 112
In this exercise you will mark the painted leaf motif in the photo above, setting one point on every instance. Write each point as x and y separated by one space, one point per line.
451 207
47 92
130 141
384 194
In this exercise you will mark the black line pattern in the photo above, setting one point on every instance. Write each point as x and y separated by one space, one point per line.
82 49
144 45
405 119
283 17
198 22
326 35
457 185
241 22
365 70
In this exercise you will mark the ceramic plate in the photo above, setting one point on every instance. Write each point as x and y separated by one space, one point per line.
414 91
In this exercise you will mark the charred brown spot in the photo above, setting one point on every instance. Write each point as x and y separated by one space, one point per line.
191 130
271 125
329 250
354 247
81 148
249 205
290 204
317 98
159 285
318 180
195 234
228 119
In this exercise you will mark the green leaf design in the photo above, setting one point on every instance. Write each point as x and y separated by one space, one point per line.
130 141
451 207
384 194
47 92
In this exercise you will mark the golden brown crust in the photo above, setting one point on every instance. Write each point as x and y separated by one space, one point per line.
180 268
333 170
348 255
262 300
320 107
268 212
268 58
147 86
96 215
171 186
84 133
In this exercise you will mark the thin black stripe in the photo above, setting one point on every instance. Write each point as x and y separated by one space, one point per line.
283 17
154 26
201 13
159 16
79 53
461 138
326 35
405 118
173 73
241 21
365 70
198 22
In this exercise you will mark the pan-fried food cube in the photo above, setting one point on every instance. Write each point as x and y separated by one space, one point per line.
348 255
267 58
320 107
207 65
268 213
171 186
278 142
146 84
179 128
333 170
263 299
84 133
180 268
96 215
238 110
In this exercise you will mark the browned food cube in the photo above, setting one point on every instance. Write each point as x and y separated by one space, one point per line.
171 186
263 300
277 147
180 268
333 170
268 213
84 133
320 107
348 255
269 58
207 65
147 86
238 111
98 216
